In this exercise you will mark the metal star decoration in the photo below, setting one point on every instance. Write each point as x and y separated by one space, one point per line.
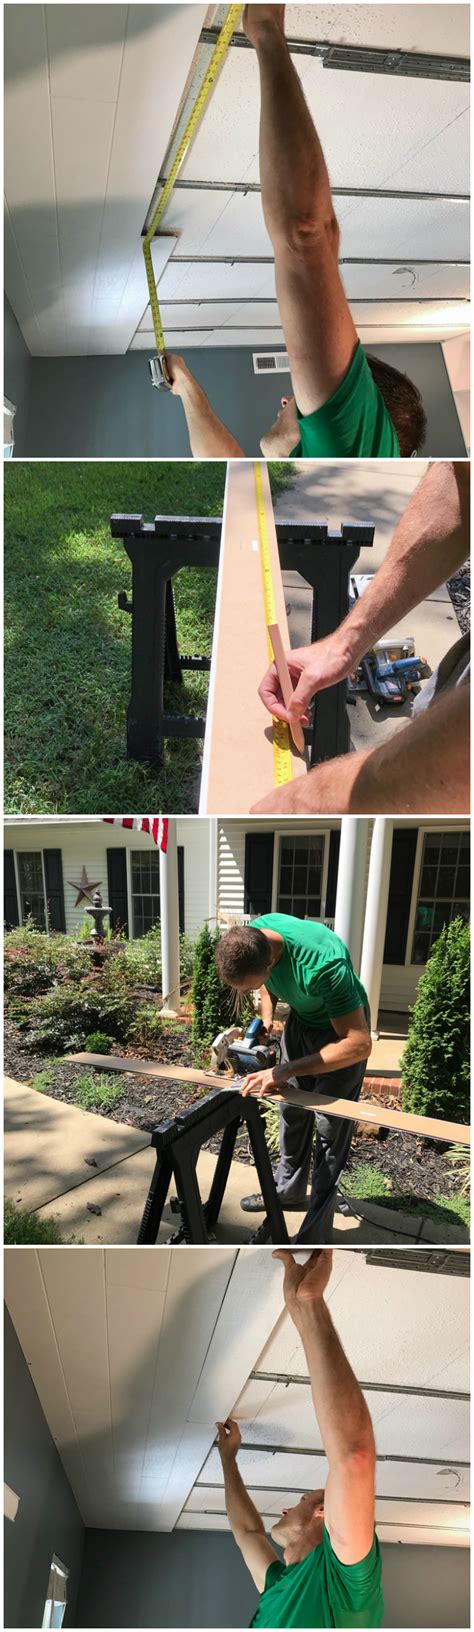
84 888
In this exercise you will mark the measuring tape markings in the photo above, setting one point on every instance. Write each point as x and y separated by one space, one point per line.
220 49
282 761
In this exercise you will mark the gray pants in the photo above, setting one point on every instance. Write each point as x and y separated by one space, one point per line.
333 1136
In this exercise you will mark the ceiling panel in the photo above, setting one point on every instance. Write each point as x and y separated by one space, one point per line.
403 1425
216 223
390 122
402 27
211 1499
209 281
86 133
402 1479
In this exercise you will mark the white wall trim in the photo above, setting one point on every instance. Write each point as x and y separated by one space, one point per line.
11 1502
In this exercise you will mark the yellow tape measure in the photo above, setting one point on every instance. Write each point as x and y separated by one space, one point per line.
282 763
220 50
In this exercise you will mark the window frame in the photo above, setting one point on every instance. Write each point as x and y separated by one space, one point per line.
423 832
299 832
16 863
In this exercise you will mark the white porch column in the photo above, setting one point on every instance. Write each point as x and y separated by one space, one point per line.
213 870
169 916
350 893
376 914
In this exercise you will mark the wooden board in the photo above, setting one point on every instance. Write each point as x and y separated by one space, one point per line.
365 1110
238 749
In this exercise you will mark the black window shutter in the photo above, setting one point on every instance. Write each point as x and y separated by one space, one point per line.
258 873
10 898
181 887
400 893
53 872
333 864
117 888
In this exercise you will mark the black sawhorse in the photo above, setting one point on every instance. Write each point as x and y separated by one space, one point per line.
157 551
177 1144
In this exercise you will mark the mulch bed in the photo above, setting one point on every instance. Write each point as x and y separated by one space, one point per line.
414 1167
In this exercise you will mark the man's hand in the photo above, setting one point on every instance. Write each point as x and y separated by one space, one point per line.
313 668
180 375
265 1084
257 17
229 1439
304 1284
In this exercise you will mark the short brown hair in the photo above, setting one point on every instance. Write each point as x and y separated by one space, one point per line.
242 951
404 404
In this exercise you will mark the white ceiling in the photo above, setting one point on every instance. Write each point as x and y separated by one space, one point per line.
90 116
135 1353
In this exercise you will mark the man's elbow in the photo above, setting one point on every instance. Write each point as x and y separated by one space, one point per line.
307 237
360 1458
362 1046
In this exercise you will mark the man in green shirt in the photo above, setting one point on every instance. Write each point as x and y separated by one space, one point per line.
325 1047
332 1574
345 403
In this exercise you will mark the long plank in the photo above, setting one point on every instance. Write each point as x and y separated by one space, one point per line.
365 1110
238 764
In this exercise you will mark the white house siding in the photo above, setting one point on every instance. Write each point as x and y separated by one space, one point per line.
85 843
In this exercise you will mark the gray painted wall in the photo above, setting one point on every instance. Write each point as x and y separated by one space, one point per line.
18 375
198 1579
48 1520
106 407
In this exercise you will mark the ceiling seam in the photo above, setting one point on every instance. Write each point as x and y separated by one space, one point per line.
155 1369
63 1375
112 137
53 163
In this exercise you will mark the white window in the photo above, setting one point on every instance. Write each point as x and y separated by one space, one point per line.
55 1606
301 884
145 870
9 411
443 888
31 885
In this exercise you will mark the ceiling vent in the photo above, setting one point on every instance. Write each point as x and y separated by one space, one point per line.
270 362
436 1263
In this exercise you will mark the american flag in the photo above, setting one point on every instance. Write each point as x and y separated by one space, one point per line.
156 826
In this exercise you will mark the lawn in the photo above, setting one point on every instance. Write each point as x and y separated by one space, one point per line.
68 646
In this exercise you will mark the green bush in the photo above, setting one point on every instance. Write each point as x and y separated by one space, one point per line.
98 1042
435 1060
214 1005
34 961
147 1026
143 958
64 1017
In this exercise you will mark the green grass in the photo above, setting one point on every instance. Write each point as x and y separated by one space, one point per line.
42 1081
366 1183
24 1229
94 1090
68 646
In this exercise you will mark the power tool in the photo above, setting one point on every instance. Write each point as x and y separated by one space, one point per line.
248 1052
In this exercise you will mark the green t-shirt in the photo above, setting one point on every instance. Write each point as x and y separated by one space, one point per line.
354 423
314 974
319 1591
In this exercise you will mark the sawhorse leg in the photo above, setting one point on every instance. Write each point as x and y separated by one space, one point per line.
221 1173
274 1211
156 1198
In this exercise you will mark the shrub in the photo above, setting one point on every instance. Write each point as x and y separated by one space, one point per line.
34 961
98 1042
435 1060
146 1027
214 1005
143 958
65 1016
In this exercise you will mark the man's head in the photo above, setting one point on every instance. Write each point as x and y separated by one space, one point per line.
243 958
404 404
284 434
301 1528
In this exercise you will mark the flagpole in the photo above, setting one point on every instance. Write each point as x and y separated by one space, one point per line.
169 917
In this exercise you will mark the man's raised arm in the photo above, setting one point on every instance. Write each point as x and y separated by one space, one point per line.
209 438
344 1420
299 215
246 1525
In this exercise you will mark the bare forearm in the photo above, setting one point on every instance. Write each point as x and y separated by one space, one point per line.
209 438
296 194
341 1411
241 1513
268 1005
430 542
420 769
332 1057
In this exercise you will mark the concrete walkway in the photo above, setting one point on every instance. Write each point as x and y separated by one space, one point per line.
61 1162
